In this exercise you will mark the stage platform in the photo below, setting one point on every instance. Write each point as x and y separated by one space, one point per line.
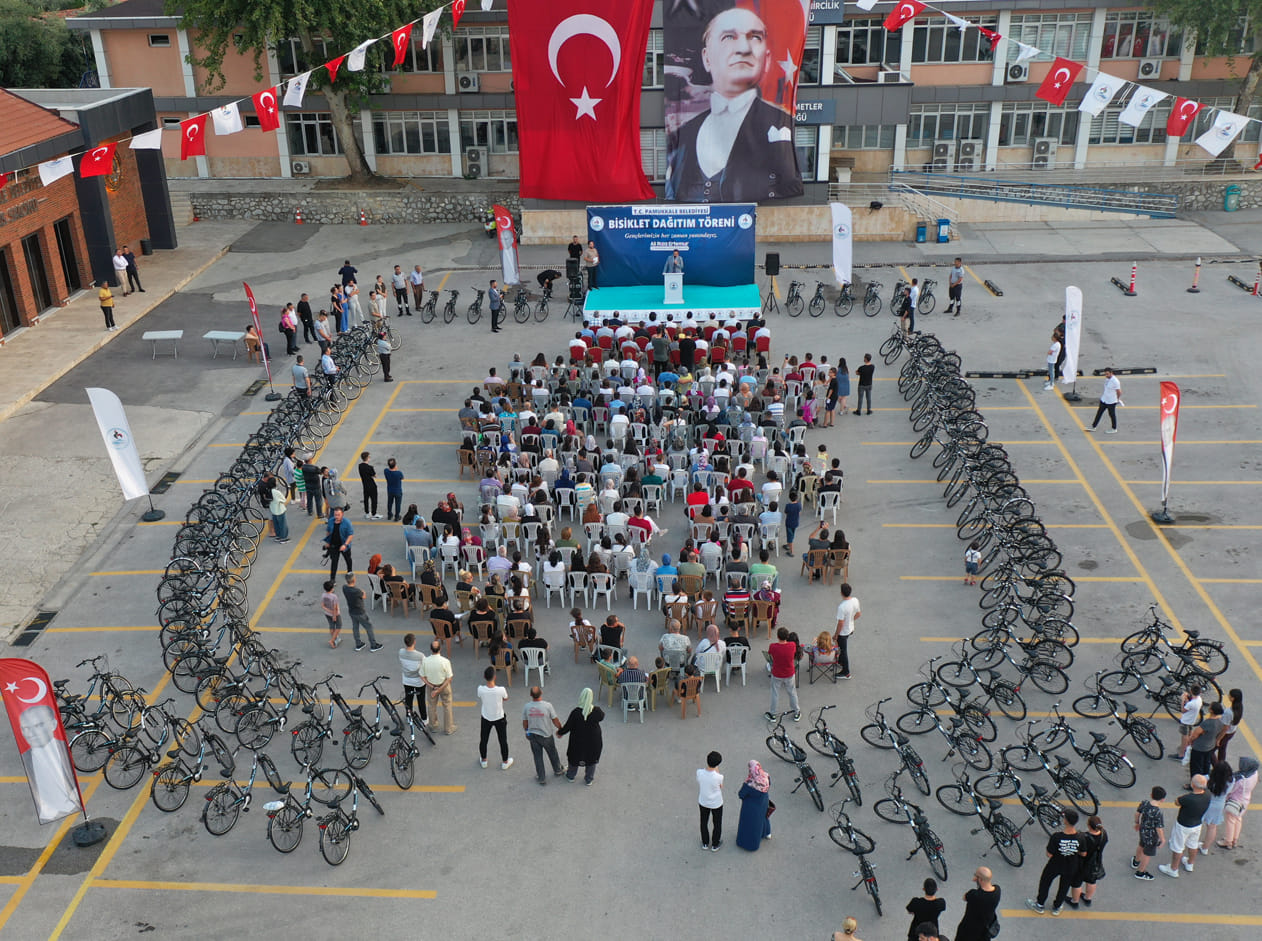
635 303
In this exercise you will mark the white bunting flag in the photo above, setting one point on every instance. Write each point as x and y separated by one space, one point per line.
355 61
1142 101
296 89
956 21
1026 52
52 170
227 119
866 5
429 25
1215 140
1101 92
149 140
486 6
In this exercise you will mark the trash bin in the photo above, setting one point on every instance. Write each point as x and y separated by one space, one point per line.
1231 198
944 230
922 232
146 246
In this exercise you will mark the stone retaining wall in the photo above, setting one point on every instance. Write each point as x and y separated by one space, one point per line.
334 207
1207 194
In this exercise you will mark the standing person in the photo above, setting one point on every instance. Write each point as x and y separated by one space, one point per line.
927 908
399 282
847 613
1150 824
674 264
1203 741
710 799
120 271
383 354
105 298
308 321
436 671
955 288
848 929
792 517
864 373
277 506
1185 837
313 486
1110 399
394 491
133 273
1189 718
981 903
754 825
1238 797
492 699
783 655
843 385
353 305
411 662
1053 356
586 741
289 327
496 300
368 480
591 260
972 561
338 540
1231 717
359 614
1065 850
575 249
908 317
540 721
1092 870
1218 786
416 278
332 609
324 333
348 272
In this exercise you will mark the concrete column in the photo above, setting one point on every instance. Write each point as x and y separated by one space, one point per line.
190 82
369 139
992 135
824 147
900 147
453 128
102 63
1095 41
1001 58
281 134
449 65
904 55
828 55
1187 56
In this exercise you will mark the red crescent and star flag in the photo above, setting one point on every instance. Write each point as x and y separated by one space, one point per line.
577 68
265 107
1181 115
508 244
41 739
258 327
1170 397
98 161
903 13
1060 78
193 137
401 38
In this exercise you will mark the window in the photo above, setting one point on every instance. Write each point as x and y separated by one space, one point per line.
291 60
867 42
160 40
482 49
412 132
1056 34
171 124
65 251
1242 37
806 140
1253 130
937 41
653 153
311 134
494 130
37 272
811 55
420 60
1107 129
863 137
654 61
1021 122
1137 34
251 120
9 319
927 123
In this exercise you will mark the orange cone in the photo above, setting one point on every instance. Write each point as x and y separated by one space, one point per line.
363 220
298 216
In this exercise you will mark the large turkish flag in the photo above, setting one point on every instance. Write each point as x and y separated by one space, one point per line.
577 68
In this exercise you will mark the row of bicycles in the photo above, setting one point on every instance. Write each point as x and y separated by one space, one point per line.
524 305
795 300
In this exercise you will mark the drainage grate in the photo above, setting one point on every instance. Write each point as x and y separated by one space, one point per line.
163 485
255 386
34 629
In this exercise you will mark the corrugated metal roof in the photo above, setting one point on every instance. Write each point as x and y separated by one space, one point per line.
23 124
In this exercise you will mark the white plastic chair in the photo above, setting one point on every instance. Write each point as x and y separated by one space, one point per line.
417 555
641 584
652 496
474 558
532 658
634 696
711 661
554 581
829 500
768 537
565 500
602 584
450 556
375 592
578 585
737 655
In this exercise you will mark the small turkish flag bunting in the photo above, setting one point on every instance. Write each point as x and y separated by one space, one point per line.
1060 78
98 161
333 65
265 108
1181 115
991 36
193 137
902 13
402 39
457 11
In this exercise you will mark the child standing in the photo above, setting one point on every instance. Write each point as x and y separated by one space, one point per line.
792 515
710 799
972 561
332 612
1150 825
300 487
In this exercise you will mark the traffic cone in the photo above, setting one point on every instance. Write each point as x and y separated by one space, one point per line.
298 216
363 220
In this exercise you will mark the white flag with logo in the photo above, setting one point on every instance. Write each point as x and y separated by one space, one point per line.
119 443
1224 130
1142 101
296 89
843 242
429 24
227 119
355 61
149 140
1026 51
1073 335
52 170
1100 93
866 5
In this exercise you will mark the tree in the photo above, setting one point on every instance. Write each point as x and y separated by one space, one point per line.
1217 28
252 27
36 51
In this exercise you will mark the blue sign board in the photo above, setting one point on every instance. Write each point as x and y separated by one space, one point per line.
715 241
827 11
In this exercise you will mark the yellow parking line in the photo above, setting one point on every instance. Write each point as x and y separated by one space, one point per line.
423 410
1177 918
1231 581
1182 442
443 281
98 628
908 444
974 276
253 889
1081 640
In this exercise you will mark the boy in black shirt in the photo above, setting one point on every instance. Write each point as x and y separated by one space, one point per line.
1064 850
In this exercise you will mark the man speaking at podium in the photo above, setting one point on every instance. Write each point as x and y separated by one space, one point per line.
741 149
674 264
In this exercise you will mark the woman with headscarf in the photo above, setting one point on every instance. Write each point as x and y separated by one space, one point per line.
430 577
755 822
1238 797
585 741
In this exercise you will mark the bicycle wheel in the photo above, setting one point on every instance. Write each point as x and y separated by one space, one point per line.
402 763
125 708
256 727
957 673
1078 791
997 784
90 750
335 838
978 722
869 880
927 303
923 444
917 722
926 695
329 785
428 314
1050 815
852 781
1007 841
975 753
1114 767
449 312
231 708
852 839
988 658
916 769
1093 706
284 828
812 787
222 808
1051 739
1140 640
474 313
188 671
793 305
890 810
872 305
1008 698
816 307
170 788
357 746
126 767
875 736
1145 663
822 742
780 748
1118 683
307 744
1022 758
958 801
1049 678
843 305
1208 657
521 312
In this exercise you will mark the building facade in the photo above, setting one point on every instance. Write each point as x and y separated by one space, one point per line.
869 101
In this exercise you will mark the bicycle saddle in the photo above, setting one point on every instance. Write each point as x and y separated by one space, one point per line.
333 804
1061 762
1192 635
1038 789
60 684
902 739
357 711
220 660
309 709
226 772
992 676
173 753
1098 736
994 804
70 698
1130 708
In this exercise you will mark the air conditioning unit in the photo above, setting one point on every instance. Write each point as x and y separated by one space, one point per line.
969 159
892 77
943 156
468 82
1017 72
300 167
1150 68
474 162
1045 152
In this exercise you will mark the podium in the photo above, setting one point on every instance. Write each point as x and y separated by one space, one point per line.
674 284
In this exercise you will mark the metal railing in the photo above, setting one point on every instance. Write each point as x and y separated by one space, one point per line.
1068 196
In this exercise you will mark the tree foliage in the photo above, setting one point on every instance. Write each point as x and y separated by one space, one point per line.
37 51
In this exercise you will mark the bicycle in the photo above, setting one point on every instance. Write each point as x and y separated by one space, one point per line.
449 309
879 734
895 809
786 749
1209 654
1028 757
171 781
962 799
845 834
960 739
430 308
308 739
285 817
844 302
337 826
793 300
1109 762
474 312
927 300
872 299
118 699
829 745
260 720
817 304
359 735
898 300
928 695
131 757
403 752
226 801
867 878
1003 693
521 306
541 309
1140 730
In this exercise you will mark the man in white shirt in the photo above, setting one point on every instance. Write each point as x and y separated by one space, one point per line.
417 279
847 613
955 288
1110 399
399 282
120 270
549 465
908 318
492 699
1053 354
578 348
